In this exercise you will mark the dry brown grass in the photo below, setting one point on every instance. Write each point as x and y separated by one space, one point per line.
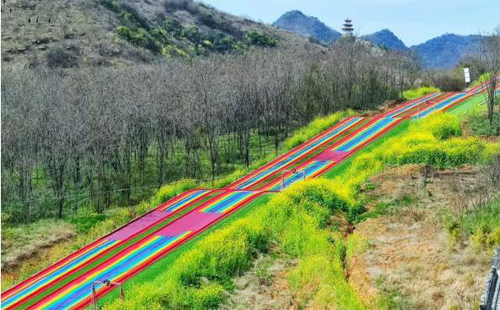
265 286
409 249
21 243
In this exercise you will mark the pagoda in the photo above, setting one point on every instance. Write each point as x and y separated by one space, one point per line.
347 27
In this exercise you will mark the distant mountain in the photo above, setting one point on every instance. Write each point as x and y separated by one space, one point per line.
299 23
387 39
447 50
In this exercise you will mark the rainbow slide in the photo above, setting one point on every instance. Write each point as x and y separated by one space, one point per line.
128 250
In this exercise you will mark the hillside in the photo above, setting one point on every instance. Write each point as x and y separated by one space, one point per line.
386 39
447 50
110 32
299 23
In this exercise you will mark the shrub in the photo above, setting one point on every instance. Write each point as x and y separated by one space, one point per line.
481 126
59 58
480 225
206 19
186 5
260 39
171 190
449 80
441 126
411 94
482 79
134 16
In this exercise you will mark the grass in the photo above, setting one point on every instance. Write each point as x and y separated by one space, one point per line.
480 125
472 105
480 226
482 79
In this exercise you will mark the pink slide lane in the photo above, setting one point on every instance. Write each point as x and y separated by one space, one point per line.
138 225
331 155
192 222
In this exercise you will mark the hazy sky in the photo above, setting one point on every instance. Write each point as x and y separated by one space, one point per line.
413 21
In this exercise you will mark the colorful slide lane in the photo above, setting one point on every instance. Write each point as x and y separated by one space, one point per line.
131 248
480 88
415 110
336 153
296 154
444 104
410 104
119 268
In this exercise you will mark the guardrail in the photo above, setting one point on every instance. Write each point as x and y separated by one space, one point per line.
491 296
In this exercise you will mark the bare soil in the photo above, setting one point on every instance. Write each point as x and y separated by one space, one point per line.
411 258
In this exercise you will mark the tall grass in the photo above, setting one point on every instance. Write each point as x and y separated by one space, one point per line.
419 92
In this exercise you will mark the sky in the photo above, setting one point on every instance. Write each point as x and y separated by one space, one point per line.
413 21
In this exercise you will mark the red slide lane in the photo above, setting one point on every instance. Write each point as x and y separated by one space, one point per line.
54 266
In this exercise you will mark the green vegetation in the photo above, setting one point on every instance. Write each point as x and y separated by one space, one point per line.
480 124
318 125
411 94
479 225
481 79
259 39
298 222
171 39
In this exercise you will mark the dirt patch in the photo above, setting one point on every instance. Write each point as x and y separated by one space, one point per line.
264 287
411 260
22 243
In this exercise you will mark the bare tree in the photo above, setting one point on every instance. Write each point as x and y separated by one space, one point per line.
112 135
489 54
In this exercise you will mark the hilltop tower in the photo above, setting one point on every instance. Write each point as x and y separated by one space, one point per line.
348 28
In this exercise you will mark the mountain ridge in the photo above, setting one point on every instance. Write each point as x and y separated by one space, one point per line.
309 26
387 39
445 51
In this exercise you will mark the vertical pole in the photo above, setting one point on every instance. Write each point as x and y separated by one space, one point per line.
282 180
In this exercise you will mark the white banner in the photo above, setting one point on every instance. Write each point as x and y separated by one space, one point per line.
467 75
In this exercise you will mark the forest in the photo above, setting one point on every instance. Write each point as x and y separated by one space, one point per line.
92 138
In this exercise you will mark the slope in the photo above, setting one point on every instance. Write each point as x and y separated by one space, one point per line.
125 252
112 32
